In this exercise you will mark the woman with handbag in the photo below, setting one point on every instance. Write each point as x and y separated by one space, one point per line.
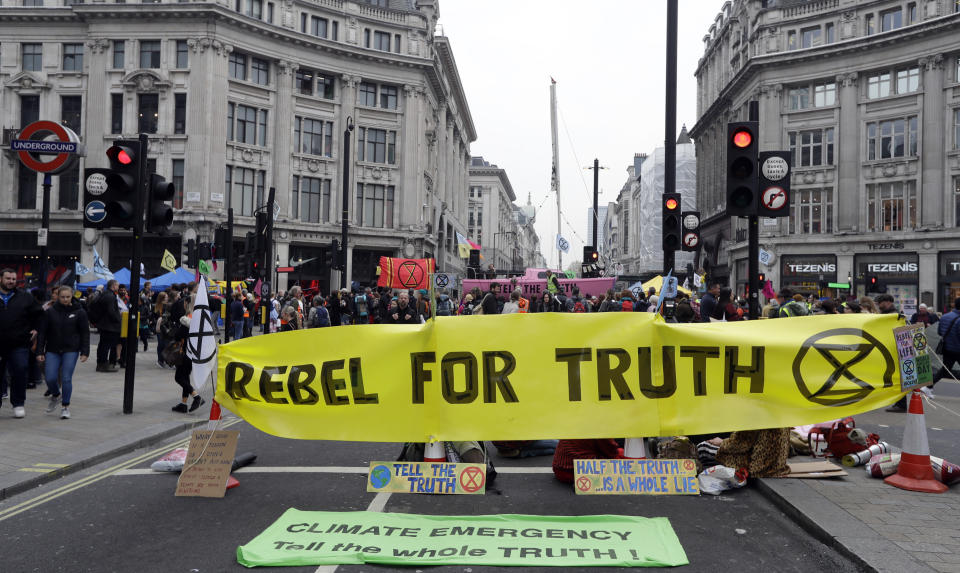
175 353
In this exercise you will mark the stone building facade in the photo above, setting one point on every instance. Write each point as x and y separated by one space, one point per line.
238 96
866 95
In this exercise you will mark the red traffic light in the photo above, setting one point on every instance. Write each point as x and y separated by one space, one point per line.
671 204
120 154
595 255
742 138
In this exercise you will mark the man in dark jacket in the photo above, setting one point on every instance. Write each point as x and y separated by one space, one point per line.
236 316
404 313
489 302
708 304
108 323
20 318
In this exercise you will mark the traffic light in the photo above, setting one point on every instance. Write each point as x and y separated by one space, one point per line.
219 243
474 260
742 168
331 258
110 194
189 258
874 284
159 212
774 184
671 221
762 278
690 220
590 255
204 251
247 260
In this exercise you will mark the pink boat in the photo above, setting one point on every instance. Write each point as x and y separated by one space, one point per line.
534 282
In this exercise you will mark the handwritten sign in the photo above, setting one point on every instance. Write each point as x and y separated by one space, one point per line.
427 477
207 467
915 369
636 477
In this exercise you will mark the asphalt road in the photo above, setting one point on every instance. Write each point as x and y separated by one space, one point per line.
99 520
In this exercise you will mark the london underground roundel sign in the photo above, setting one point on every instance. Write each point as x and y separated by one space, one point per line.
47 138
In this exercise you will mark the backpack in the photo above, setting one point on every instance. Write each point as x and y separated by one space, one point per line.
95 309
321 317
578 306
444 307
614 306
360 301
626 305
167 327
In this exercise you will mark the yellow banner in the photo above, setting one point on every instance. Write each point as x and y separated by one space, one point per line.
553 375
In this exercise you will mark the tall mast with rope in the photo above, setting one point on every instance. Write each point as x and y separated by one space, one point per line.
555 176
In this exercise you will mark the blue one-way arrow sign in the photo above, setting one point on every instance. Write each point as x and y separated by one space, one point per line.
95 211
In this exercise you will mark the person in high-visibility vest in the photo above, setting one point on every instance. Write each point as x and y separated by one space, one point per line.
524 305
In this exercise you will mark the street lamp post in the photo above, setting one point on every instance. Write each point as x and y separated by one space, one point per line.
346 205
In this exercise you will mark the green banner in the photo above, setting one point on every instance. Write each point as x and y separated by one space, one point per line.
343 538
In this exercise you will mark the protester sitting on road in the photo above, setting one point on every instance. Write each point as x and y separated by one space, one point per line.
185 366
569 450
762 452
404 313
64 337
526 448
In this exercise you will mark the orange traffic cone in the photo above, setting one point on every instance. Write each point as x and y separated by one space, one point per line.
215 416
914 472
634 449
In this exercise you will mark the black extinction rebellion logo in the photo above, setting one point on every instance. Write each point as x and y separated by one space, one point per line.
845 358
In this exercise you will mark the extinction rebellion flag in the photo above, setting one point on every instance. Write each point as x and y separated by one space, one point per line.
406 273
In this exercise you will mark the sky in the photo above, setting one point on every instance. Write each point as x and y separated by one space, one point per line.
608 58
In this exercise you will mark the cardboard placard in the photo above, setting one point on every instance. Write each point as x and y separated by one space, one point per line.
818 469
208 463
635 477
427 477
913 358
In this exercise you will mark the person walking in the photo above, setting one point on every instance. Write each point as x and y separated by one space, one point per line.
20 318
64 337
107 318
185 365
236 316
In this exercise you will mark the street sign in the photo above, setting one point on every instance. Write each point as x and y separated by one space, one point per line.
444 280
691 240
285 269
96 184
775 168
47 138
276 209
765 257
838 285
774 198
42 237
95 211
691 221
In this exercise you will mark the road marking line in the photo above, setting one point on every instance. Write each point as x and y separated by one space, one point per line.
38 470
936 428
377 505
51 465
319 470
62 490
883 425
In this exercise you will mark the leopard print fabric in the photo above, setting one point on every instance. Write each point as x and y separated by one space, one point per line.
763 452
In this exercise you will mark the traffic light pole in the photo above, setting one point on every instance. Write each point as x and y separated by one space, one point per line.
268 245
670 120
228 247
345 190
45 225
596 200
130 350
753 244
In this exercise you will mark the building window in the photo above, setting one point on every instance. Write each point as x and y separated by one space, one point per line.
830 32
377 145
908 80
32 3
811 211
367 94
26 188
29 109
388 97
237 66
318 26
255 9
73 57
313 136
892 206
324 85
892 138
242 194
375 205
313 203
150 54
396 43
32 55
878 85
792 40
956 128
116 113
259 71
812 148
809 37
69 193
956 201
799 97
303 82
119 54
824 94
269 12
179 113
891 19
71 112
178 169
183 54
147 113
911 13
246 124
869 26
381 41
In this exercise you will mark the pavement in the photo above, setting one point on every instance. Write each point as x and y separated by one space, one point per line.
875 526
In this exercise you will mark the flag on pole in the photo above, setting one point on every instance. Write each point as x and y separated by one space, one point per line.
201 341
99 268
79 270
406 273
168 261
463 250
562 244
203 267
